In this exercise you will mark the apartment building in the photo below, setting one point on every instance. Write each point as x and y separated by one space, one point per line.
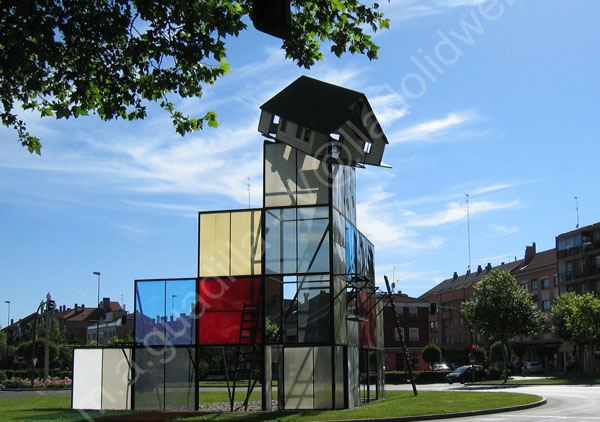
413 315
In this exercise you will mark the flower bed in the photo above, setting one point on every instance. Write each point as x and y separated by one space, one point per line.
54 382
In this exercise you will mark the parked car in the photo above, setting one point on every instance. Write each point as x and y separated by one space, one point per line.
441 367
517 366
463 374
534 367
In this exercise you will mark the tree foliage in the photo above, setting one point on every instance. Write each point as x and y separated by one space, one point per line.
71 58
502 309
576 317
432 354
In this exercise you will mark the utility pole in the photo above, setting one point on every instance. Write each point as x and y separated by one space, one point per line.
468 232
577 211
248 187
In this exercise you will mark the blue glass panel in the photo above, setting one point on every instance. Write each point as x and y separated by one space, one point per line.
181 301
150 312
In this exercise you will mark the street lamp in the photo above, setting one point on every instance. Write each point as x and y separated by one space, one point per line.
8 320
97 309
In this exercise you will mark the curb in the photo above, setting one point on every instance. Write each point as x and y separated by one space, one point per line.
451 415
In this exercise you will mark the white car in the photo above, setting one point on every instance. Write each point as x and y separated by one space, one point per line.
441 367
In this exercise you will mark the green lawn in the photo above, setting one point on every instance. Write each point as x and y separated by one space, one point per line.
399 403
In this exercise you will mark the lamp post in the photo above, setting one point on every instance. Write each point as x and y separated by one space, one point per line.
8 320
97 309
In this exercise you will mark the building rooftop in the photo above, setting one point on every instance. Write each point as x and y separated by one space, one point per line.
463 281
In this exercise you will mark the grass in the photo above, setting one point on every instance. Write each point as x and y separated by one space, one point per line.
399 403
45 408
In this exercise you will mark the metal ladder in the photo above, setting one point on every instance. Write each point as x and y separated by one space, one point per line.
249 331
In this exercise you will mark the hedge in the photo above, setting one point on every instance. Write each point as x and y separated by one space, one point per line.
421 377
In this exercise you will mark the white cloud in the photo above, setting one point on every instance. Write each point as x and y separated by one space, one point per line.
433 128
458 211
498 228
404 10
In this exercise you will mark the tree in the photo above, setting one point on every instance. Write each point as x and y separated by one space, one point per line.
113 57
502 309
577 318
432 354
480 354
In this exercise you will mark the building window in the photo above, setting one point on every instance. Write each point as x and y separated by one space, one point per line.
546 305
534 287
396 334
545 283
412 312
413 334
555 280
462 338
526 286
434 340
462 321
598 262
433 326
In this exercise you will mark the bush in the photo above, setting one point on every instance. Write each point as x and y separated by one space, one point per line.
3 376
421 377
432 354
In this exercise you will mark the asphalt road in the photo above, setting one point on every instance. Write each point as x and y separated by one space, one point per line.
564 403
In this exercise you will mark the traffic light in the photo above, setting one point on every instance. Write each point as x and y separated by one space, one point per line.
272 17
433 309
473 347
51 305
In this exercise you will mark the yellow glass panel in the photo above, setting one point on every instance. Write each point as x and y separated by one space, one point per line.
256 247
214 245
241 241
245 243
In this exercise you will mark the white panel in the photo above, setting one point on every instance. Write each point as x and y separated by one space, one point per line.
87 379
116 393
298 377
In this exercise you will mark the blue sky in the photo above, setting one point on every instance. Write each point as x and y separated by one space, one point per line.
497 99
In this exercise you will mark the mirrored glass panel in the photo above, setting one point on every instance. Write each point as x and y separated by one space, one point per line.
322 383
179 379
298 377
280 242
313 240
149 382
280 175
313 180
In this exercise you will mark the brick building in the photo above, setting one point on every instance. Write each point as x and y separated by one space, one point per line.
539 275
413 315
578 259
448 329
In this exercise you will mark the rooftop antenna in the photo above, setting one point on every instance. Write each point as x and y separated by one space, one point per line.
248 187
468 232
577 211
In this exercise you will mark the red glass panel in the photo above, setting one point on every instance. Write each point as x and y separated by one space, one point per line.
222 328
227 293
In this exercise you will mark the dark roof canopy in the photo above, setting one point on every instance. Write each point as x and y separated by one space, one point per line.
316 104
